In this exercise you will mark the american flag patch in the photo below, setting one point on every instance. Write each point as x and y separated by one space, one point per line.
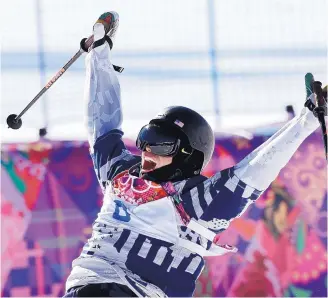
179 123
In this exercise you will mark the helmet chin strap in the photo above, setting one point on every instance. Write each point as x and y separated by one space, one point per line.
181 168
171 172
176 171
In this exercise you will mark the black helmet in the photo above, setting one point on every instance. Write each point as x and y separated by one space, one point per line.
182 133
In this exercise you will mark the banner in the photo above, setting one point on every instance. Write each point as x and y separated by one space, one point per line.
50 196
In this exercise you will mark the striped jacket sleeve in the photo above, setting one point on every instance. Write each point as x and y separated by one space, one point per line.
104 116
216 201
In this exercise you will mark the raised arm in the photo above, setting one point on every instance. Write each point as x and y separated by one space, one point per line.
263 165
102 91
104 114
226 195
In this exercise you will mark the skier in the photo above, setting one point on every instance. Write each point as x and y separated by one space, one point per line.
160 216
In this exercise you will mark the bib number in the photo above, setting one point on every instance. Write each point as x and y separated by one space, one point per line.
121 212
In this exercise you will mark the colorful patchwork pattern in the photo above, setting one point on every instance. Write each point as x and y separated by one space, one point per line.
50 197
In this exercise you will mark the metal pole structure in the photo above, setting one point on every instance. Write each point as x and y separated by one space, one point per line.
42 65
213 59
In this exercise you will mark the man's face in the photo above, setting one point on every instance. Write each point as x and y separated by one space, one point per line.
151 161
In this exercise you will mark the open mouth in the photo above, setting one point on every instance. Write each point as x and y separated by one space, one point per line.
148 165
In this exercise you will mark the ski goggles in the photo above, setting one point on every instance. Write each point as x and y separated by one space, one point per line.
158 140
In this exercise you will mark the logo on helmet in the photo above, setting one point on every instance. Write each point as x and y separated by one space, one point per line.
179 123
183 150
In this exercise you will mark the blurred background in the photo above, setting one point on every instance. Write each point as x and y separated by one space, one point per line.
239 63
